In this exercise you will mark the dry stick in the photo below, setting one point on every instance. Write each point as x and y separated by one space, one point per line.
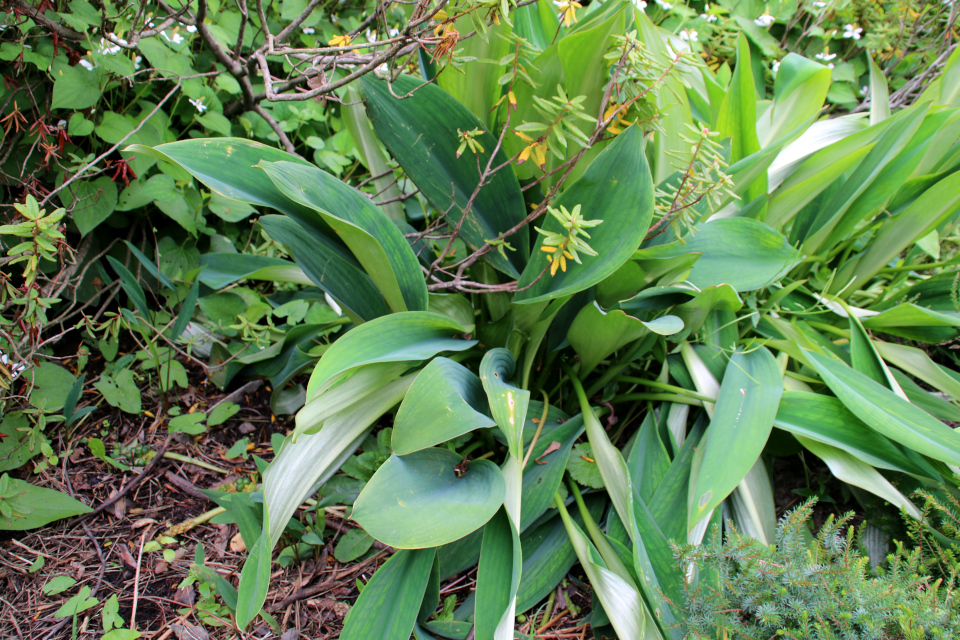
136 582
326 584
103 155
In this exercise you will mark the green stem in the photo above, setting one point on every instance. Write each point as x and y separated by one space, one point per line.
921 266
663 397
169 455
666 387
614 370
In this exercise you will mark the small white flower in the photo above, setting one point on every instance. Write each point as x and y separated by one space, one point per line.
334 19
850 32
863 91
640 4
309 31
332 304
765 20
708 17
191 28
86 64
666 6
177 38
371 35
16 369
775 66
826 57
393 33
136 62
819 4
689 36
198 103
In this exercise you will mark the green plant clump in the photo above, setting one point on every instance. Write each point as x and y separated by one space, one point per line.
814 589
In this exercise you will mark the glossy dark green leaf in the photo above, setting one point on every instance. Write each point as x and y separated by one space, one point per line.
149 265
223 269
744 414
350 286
886 412
508 404
418 500
616 188
421 133
497 579
389 603
187 308
412 335
648 460
446 401
374 240
131 286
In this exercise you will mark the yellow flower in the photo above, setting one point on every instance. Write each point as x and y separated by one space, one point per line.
557 257
618 122
343 41
568 10
537 148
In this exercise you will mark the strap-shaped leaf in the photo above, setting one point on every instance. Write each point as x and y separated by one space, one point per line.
616 188
446 401
313 458
508 404
429 498
223 269
498 578
374 240
388 605
255 577
399 337
544 471
886 412
421 132
348 284
746 407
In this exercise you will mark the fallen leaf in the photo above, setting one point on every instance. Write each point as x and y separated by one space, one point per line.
185 596
142 522
122 551
189 632
236 544
290 634
550 449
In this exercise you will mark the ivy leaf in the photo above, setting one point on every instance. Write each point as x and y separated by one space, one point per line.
583 467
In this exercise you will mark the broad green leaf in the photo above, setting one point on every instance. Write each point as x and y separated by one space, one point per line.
886 412
738 113
745 411
365 381
647 460
723 258
666 506
431 114
228 166
313 458
353 544
446 401
908 320
613 468
879 93
31 506
51 385
865 359
620 600
548 555
17 448
616 188
417 500
120 391
76 605
412 335
371 155
917 363
388 605
544 471
75 87
508 404
498 578
858 473
950 81
899 232
832 213
931 403
349 285
57 585
374 240
223 269
799 91
255 577
595 333
826 419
